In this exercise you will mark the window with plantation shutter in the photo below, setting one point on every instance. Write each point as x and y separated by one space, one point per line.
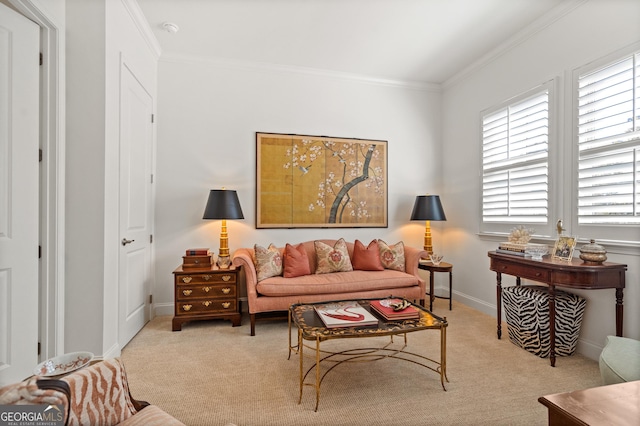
515 162
608 140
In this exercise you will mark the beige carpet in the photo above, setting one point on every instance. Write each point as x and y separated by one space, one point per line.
213 374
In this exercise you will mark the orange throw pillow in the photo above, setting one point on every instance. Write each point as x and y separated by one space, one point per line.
296 261
367 258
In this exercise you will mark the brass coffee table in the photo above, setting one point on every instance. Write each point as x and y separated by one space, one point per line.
311 328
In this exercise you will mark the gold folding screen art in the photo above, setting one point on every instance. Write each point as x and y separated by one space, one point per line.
320 182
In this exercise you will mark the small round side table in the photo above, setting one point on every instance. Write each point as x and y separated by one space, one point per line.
441 267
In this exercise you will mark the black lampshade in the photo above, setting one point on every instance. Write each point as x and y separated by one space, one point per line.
223 204
428 207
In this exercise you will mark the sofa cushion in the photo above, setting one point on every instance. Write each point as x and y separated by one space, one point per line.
296 261
336 283
332 259
392 257
268 261
366 258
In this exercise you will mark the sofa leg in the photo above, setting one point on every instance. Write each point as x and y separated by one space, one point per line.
253 324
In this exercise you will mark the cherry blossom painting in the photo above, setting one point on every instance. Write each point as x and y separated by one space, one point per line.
320 182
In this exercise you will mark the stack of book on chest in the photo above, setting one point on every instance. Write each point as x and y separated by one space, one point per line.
517 249
197 258
388 309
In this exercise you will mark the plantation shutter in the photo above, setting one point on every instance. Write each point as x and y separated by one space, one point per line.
609 144
515 169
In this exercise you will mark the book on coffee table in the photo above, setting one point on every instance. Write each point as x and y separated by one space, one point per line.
385 308
344 314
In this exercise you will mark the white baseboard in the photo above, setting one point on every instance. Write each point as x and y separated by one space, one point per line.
160 309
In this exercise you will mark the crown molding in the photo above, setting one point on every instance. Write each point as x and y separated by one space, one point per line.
276 68
525 34
142 25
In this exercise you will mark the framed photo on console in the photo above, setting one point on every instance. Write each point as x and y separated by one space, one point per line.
563 248
320 182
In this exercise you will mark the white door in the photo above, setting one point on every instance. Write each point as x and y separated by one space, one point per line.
136 143
19 129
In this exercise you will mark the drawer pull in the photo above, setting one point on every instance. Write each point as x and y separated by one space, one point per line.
187 292
538 274
226 290
207 303
186 307
226 278
186 279
206 289
207 277
226 305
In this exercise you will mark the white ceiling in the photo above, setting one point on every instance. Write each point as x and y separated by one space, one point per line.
424 41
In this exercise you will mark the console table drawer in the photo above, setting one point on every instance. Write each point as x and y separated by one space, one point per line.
524 272
206 306
206 278
193 291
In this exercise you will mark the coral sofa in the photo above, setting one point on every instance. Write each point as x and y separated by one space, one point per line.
95 395
398 276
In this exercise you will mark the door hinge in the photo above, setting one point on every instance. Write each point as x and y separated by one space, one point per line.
151 178
151 239
38 348
40 155
39 252
153 118
41 59
150 298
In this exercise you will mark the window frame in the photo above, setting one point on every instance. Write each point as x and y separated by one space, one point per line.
542 230
607 234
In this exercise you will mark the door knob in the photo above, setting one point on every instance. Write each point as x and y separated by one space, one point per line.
125 241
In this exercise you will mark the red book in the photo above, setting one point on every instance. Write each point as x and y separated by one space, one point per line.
198 252
384 308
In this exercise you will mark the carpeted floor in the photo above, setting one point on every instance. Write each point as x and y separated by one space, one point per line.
213 374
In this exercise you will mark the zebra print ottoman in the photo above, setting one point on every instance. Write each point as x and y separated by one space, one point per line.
527 314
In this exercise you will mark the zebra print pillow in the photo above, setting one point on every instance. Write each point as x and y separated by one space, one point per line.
100 394
527 314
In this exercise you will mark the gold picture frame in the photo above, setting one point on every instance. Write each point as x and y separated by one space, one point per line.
320 182
563 249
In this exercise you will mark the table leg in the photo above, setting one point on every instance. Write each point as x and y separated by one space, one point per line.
450 288
317 372
499 300
552 325
431 295
619 311
301 355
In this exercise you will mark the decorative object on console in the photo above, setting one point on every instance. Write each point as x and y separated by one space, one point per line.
197 258
428 208
223 205
564 247
536 251
592 253
435 258
521 234
320 182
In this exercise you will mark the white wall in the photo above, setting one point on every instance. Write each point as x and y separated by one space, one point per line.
208 114
101 35
593 30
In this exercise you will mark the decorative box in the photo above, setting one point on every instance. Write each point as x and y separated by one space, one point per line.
196 261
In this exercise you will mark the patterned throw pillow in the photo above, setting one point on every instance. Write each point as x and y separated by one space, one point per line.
296 261
392 257
366 258
268 262
332 259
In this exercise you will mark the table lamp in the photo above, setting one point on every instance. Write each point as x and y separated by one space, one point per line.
428 208
223 204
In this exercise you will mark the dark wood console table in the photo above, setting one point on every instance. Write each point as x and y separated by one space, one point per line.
559 273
